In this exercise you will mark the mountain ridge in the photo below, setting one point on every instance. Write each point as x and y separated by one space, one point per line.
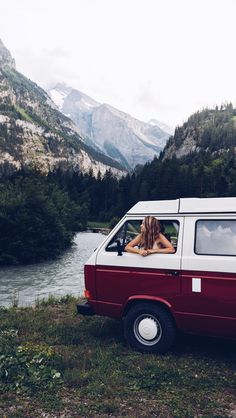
208 130
34 134
118 134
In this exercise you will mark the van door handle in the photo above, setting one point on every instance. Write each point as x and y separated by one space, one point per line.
173 273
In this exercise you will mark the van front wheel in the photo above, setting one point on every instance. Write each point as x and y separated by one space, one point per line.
149 328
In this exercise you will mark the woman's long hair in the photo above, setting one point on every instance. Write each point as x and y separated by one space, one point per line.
151 232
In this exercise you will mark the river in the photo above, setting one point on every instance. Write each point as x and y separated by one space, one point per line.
59 277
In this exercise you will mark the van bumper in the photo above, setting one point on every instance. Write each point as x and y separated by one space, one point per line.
85 309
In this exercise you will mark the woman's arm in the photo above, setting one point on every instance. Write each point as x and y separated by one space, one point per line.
130 247
167 246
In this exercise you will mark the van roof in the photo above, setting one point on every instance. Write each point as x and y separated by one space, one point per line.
185 205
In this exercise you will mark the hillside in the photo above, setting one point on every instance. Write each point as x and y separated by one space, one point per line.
34 134
209 130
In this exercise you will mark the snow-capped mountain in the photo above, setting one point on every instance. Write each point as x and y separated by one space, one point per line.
34 134
119 135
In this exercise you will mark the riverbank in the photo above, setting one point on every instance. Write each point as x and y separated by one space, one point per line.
56 364
22 285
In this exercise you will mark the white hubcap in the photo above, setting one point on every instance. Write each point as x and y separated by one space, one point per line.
147 329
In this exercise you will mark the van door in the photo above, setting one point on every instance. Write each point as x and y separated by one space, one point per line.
208 301
123 277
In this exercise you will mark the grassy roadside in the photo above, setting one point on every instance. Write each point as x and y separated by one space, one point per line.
56 364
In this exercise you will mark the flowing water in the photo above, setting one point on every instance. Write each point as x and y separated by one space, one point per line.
59 277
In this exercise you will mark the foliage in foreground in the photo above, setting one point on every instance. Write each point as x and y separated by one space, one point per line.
88 369
27 368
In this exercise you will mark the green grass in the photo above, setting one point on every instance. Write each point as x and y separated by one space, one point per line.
101 376
24 114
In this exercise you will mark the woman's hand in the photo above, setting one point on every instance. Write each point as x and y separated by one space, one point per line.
144 253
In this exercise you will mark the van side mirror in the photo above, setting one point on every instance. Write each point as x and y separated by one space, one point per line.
119 248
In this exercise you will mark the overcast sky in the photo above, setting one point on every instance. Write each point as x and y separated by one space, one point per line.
161 59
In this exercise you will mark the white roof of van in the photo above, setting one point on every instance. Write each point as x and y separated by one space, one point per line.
185 205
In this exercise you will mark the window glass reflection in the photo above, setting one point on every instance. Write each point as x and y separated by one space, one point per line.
216 237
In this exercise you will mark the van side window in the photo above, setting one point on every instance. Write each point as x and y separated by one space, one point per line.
130 229
215 237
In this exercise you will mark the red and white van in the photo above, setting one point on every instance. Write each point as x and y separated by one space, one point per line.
192 290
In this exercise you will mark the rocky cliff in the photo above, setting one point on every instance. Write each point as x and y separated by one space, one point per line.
34 134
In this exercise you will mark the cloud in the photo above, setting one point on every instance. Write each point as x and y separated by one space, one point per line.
215 237
145 97
57 52
151 58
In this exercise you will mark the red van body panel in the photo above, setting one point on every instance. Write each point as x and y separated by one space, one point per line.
90 285
117 286
210 312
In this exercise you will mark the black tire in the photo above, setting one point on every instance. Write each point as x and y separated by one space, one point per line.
149 328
